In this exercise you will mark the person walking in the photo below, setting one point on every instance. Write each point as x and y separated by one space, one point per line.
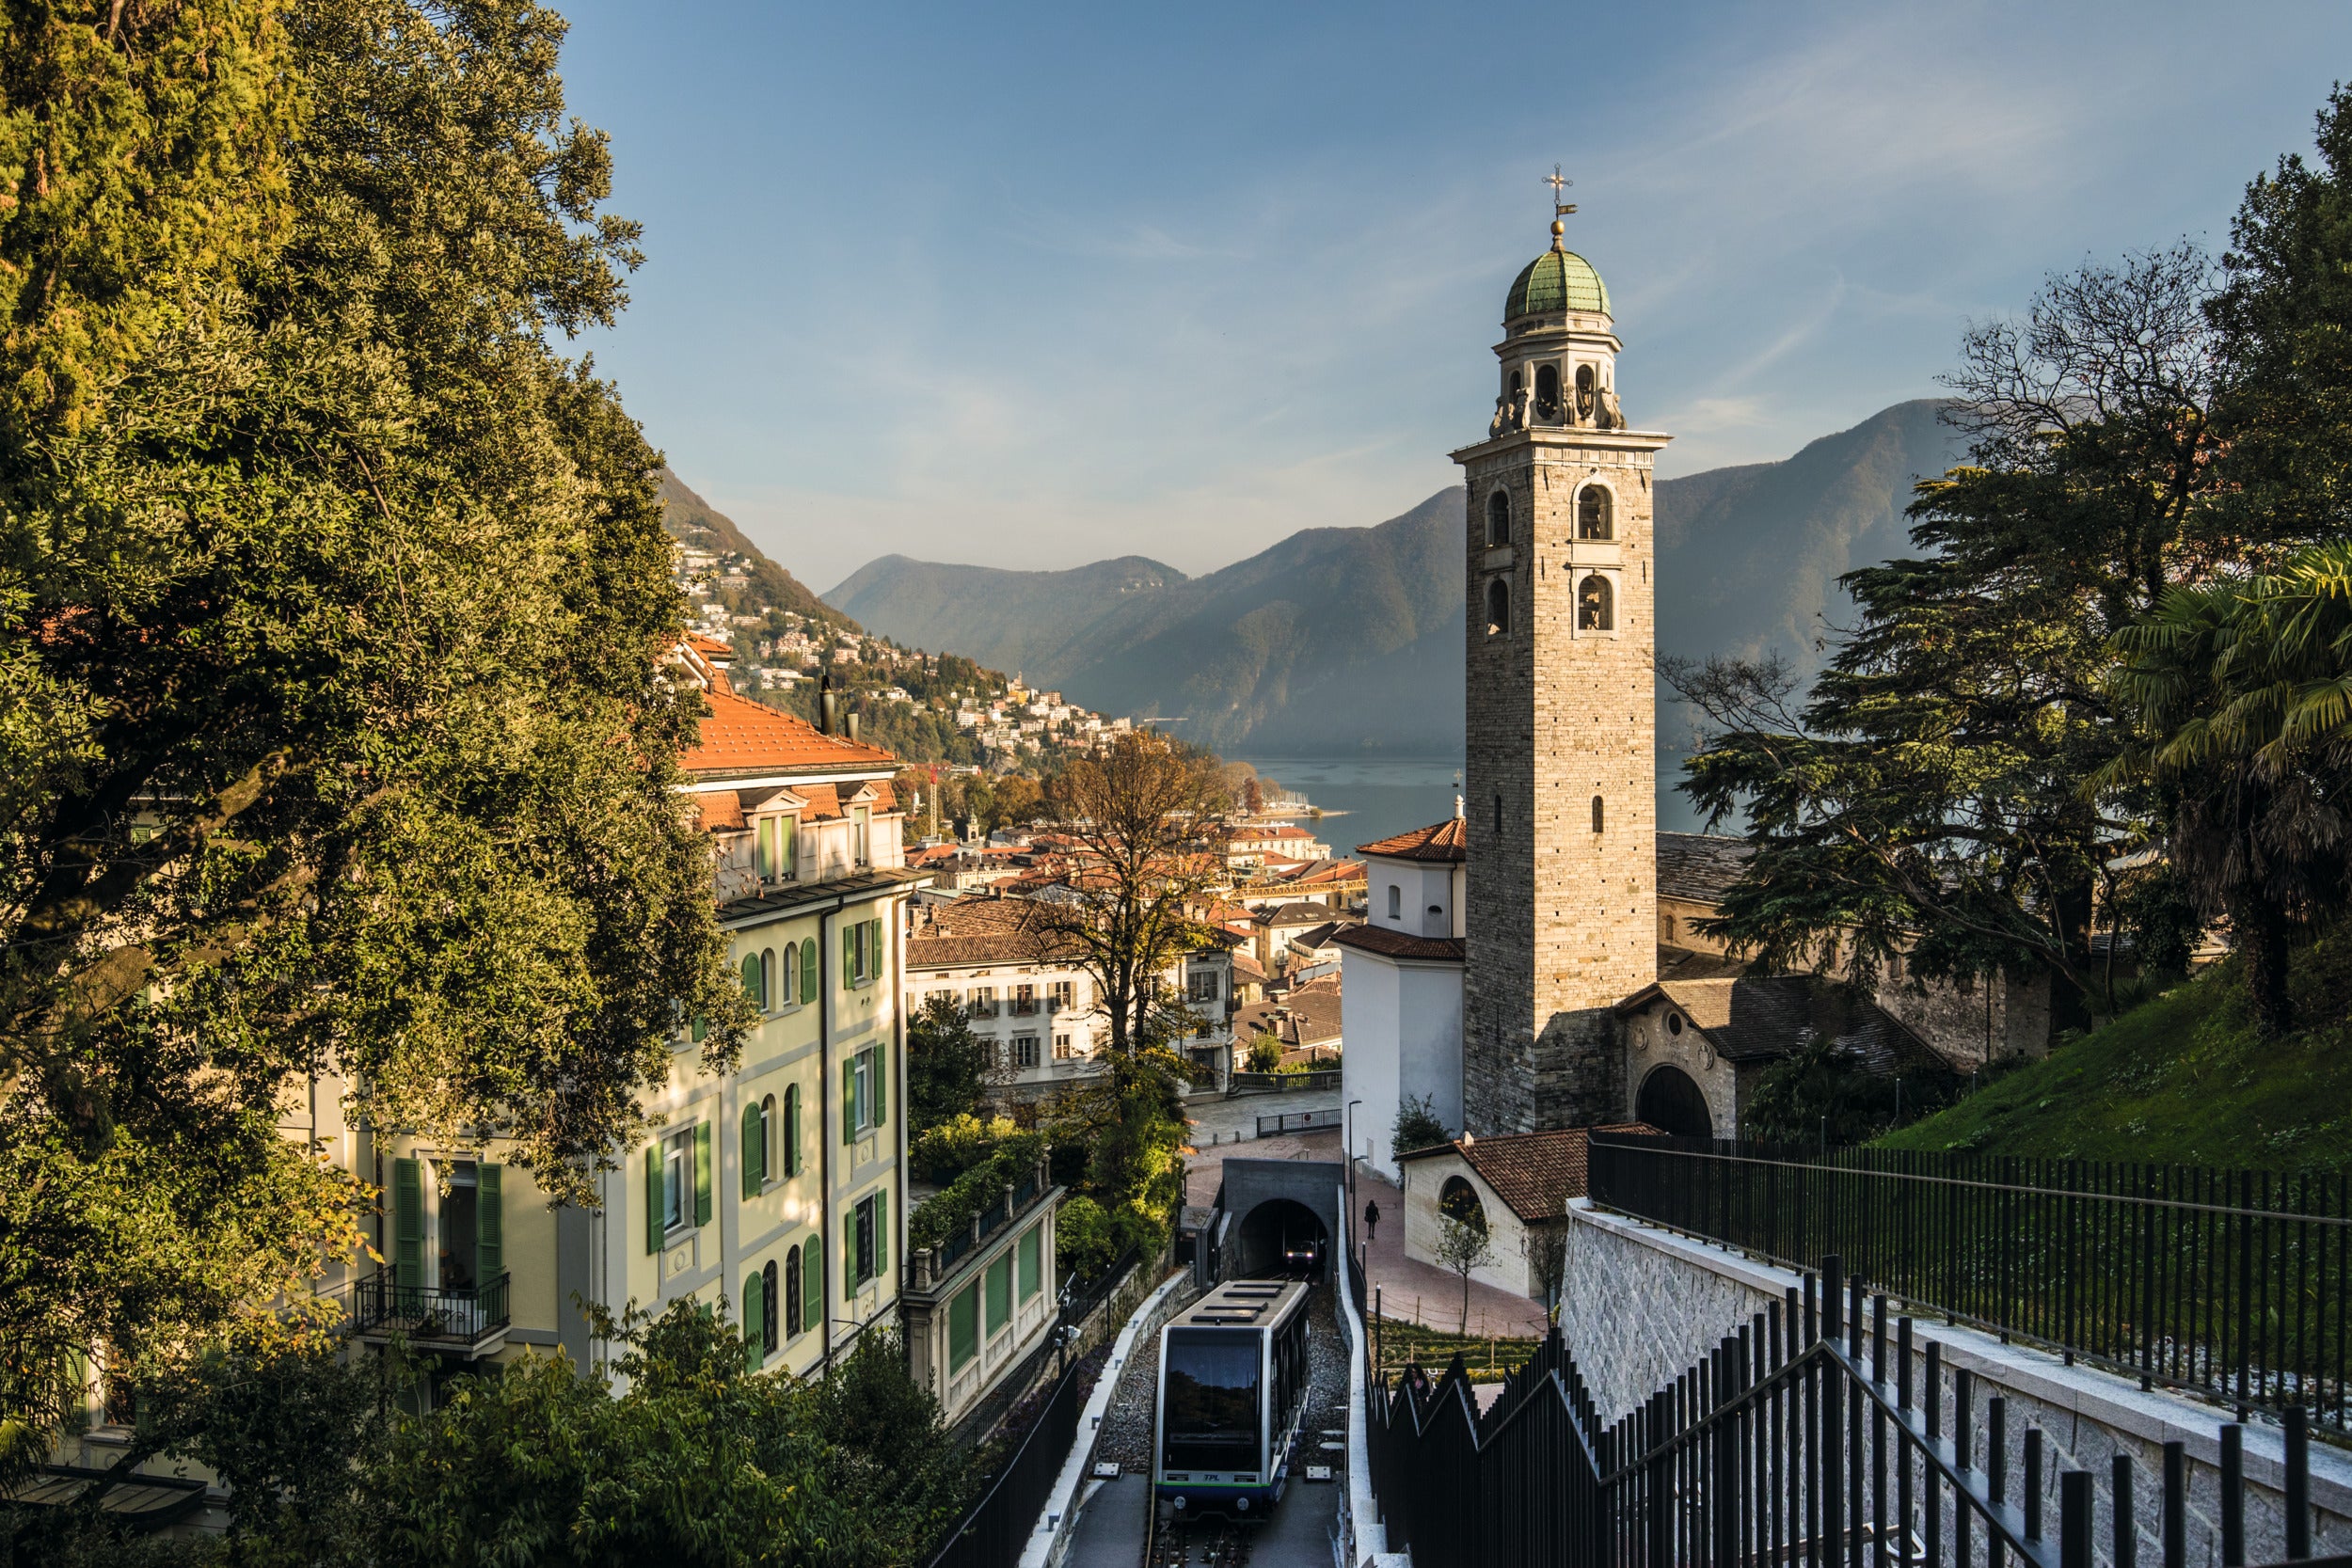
1372 1218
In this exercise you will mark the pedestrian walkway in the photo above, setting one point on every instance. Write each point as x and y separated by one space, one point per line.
1415 1291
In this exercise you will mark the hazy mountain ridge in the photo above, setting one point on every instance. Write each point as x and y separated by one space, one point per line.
1343 641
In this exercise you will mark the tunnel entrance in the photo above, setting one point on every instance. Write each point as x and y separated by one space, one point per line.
1282 1236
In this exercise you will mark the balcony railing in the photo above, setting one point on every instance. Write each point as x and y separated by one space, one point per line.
1024 1007
428 1314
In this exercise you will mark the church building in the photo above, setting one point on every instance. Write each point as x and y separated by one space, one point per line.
1586 995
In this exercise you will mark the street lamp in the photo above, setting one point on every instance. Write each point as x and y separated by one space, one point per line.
1348 1133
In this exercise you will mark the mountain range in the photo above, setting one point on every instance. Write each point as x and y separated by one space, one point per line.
1349 640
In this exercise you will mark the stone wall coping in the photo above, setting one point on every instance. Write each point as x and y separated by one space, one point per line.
2153 1416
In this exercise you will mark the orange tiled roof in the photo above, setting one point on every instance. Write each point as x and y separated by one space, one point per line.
1444 841
739 735
720 809
709 645
1536 1173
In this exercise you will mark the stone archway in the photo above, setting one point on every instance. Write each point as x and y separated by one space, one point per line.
1283 1236
1671 1101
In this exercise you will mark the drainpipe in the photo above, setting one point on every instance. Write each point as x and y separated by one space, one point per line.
824 1141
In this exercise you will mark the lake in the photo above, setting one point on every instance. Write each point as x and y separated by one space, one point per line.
1365 799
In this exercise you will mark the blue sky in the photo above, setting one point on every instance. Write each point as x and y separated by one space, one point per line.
1035 285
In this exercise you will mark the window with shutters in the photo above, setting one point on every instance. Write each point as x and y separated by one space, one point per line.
812 1286
768 979
759 1122
1064 1048
788 849
1025 1001
754 981
459 1225
754 1309
983 1002
769 1339
677 1181
868 1239
862 833
1024 1051
864 1109
1061 996
791 1134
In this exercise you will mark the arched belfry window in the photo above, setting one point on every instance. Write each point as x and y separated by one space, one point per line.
1596 817
1498 607
1498 517
1592 513
1596 610
1548 394
1583 392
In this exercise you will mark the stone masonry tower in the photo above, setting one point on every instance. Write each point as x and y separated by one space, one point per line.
1561 757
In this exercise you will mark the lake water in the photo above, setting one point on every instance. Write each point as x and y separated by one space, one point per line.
1367 798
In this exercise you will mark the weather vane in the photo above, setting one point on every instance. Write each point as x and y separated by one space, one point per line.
1558 183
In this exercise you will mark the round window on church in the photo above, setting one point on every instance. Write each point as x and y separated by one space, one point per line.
1674 1023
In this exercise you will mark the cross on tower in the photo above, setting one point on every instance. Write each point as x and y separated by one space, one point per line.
1558 184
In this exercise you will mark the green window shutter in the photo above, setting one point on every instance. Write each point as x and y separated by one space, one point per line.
881 1234
1031 1250
874 951
408 1224
752 987
702 1172
653 1195
787 844
808 971
754 1151
999 1282
874 1076
848 1102
754 1309
701 1028
490 1247
848 958
849 1256
963 1328
794 1291
812 1286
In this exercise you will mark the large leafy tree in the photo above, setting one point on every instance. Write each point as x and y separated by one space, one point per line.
336 746
2244 689
1926 797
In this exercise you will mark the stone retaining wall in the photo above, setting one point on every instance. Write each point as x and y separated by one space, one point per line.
1643 1305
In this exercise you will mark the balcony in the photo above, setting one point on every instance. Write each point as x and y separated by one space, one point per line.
471 1321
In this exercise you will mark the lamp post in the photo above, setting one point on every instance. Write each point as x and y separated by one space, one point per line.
1348 1133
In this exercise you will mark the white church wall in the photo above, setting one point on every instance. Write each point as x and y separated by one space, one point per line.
1370 1069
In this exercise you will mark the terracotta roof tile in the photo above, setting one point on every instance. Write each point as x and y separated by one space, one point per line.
740 735
1448 840
720 809
1392 943
1536 1173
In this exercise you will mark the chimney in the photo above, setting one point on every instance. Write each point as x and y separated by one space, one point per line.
828 704
853 728
1457 808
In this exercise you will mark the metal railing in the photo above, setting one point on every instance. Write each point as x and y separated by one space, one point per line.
424 1312
2235 1285
1298 1121
991 1534
1800 1440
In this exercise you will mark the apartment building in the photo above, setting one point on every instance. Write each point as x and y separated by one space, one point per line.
778 1185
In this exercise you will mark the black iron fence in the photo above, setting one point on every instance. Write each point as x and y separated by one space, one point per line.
2232 1284
998 1525
1799 1440
1298 1121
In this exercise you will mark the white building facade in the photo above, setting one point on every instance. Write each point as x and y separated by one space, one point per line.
1401 986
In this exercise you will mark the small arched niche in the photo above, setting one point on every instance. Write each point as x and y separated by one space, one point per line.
1596 814
1499 519
1498 607
1595 605
1593 519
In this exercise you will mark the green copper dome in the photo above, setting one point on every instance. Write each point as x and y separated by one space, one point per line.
1556 280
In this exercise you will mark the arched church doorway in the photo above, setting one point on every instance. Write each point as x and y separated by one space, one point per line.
1283 1236
1671 1101
1457 1200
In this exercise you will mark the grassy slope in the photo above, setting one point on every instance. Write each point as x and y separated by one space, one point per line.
2183 1079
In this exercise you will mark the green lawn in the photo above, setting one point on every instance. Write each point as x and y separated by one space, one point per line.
2181 1079
1403 1342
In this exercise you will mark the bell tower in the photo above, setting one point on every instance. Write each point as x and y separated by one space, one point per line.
1560 767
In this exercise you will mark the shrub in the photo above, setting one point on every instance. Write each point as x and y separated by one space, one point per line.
940 1154
976 1191
1416 1125
1083 1245
1265 1054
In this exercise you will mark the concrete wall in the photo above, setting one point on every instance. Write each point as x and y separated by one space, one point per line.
1642 1304
1506 1237
1403 1032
